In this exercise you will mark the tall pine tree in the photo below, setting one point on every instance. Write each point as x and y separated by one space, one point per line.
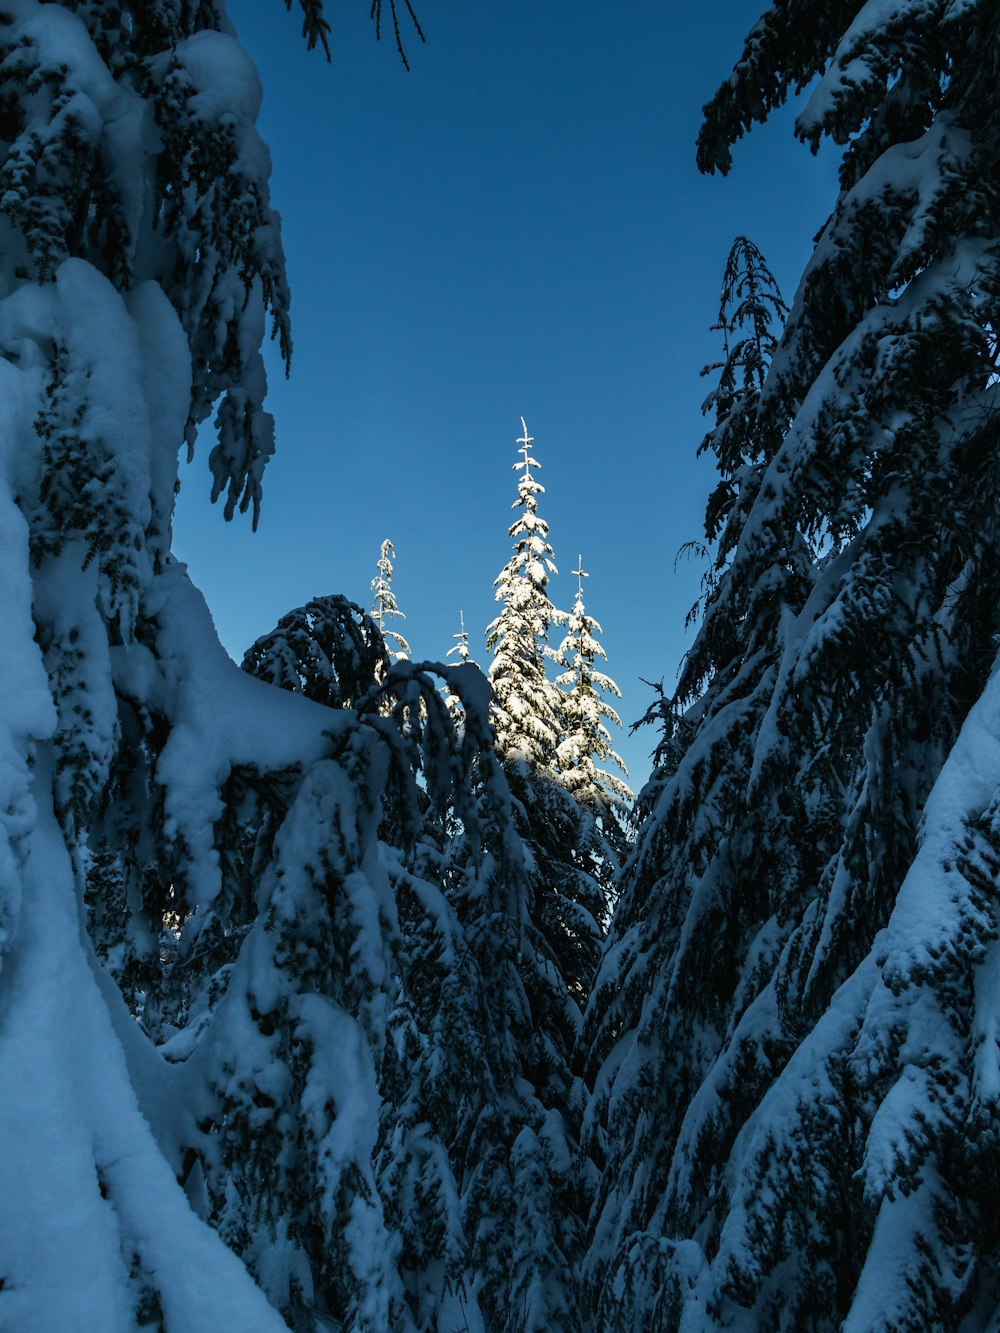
527 707
796 1073
587 742
384 608
141 258
172 832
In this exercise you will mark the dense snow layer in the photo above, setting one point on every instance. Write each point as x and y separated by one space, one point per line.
89 1208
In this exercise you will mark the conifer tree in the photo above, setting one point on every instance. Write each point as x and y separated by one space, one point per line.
803 951
469 1200
185 852
527 707
587 742
529 714
749 309
564 908
384 609
461 648
599 848
462 651
330 650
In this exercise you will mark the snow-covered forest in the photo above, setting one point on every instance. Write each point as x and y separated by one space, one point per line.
351 991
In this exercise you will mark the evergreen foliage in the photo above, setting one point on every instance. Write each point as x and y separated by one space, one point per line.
330 650
471 1191
141 261
792 1076
587 742
384 608
527 707
462 651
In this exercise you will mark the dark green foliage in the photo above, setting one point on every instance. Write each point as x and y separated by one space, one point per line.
749 305
330 650
85 495
474 1175
786 1094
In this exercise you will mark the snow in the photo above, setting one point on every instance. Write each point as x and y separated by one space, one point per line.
88 1186
882 1287
924 916
222 717
165 377
21 667
223 73
859 58
62 40
32 714
93 1221
277 1077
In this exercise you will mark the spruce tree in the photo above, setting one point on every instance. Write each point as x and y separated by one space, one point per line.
468 1193
384 608
188 855
461 648
603 799
564 909
587 742
527 707
790 1035
462 651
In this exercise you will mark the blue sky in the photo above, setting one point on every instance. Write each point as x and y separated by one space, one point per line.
514 227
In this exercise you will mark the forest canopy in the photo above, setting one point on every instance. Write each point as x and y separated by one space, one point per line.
346 990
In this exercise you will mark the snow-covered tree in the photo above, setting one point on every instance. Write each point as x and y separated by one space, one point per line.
793 1033
462 651
750 307
194 927
530 720
140 259
527 707
330 650
384 609
473 1190
602 836
586 745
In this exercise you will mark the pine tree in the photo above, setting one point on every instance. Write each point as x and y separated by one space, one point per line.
471 1200
749 306
330 650
462 651
163 817
384 608
587 742
527 709
564 908
461 648
803 948
602 837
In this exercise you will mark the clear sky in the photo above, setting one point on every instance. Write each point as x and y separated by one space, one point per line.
514 227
